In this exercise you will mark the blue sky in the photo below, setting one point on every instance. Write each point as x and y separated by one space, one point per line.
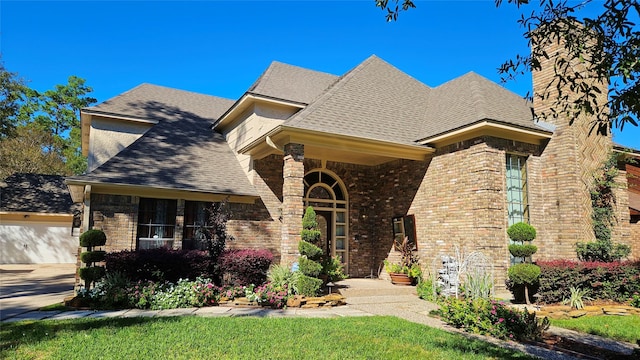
221 47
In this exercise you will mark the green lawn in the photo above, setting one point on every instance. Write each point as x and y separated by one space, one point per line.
239 338
625 328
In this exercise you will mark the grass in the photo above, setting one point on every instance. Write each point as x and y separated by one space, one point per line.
624 328
239 338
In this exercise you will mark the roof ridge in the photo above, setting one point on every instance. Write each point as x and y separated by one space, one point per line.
330 91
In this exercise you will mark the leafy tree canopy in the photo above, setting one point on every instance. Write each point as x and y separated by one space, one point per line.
607 45
40 132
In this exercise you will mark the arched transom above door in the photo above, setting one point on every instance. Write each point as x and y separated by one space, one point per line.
325 192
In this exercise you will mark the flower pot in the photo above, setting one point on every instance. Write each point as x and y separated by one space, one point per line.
400 279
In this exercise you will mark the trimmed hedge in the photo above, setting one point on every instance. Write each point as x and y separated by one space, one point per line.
309 267
91 274
616 281
245 266
89 257
307 285
161 264
91 238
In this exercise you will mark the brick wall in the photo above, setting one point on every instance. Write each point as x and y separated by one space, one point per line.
117 216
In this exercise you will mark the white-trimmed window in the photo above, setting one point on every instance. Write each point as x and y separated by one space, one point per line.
156 223
517 199
196 218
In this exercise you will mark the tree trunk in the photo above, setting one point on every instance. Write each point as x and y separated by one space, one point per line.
526 294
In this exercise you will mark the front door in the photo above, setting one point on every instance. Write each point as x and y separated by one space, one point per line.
326 194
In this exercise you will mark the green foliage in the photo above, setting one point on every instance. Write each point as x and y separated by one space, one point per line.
428 290
521 232
635 301
281 276
524 274
91 274
522 251
333 269
94 237
603 218
482 316
309 250
310 232
615 281
478 285
576 301
111 291
309 267
89 257
307 285
50 120
185 293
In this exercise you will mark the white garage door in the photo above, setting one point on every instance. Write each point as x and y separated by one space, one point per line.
37 242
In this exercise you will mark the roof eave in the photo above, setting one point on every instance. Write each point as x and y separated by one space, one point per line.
245 102
488 127
161 192
329 143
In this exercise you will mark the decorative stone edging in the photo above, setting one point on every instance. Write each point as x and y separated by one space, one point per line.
296 301
566 312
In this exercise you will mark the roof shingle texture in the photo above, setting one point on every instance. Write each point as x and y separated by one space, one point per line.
293 83
36 193
469 99
147 100
182 153
374 101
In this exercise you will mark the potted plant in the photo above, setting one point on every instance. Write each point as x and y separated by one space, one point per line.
407 271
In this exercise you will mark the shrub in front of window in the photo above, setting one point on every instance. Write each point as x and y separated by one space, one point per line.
160 264
245 266
522 276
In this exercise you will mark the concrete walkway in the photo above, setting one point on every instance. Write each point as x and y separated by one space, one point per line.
365 297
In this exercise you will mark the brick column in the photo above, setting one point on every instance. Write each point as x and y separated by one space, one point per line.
292 203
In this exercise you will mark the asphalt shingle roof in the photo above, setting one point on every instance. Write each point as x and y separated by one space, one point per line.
36 193
374 100
182 153
147 101
469 99
293 83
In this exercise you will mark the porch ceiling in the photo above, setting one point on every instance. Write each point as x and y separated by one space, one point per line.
332 147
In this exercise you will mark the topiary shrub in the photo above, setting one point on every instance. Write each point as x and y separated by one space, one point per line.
94 237
309 267
522 251
90 239
526 274
521 232
92 256
309 250
310 232
307 285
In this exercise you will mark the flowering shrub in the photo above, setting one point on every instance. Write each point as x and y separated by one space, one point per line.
246 266
185 293
142 293
233 292
482 316
272 296
607 281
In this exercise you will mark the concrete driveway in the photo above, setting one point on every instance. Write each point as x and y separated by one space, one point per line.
25 288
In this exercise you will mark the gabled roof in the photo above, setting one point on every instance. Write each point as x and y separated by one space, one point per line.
472 98
153 102
179 153
373 101
36 193
292 83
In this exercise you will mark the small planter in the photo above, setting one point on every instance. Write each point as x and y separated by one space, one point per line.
400 279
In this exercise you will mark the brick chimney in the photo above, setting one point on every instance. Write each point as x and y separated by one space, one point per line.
570 159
